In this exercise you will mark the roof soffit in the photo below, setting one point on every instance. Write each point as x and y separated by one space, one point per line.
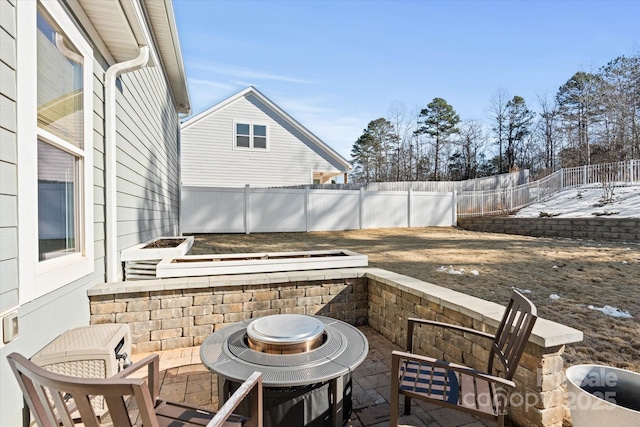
122 33
111 23
162 20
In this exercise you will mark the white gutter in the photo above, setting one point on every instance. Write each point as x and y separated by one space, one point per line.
110 107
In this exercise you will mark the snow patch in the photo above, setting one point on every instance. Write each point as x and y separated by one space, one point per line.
450 270
522 291
586 202
612 311
554 296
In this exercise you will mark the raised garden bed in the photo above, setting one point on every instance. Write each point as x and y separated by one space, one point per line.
140 261
211 265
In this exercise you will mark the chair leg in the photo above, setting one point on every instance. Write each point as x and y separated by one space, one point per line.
407 405
395 391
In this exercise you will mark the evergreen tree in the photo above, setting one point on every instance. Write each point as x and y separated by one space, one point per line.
438 121
519 119
579 108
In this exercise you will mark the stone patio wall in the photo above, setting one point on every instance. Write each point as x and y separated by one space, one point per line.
614 229
164 319
175 313
540 396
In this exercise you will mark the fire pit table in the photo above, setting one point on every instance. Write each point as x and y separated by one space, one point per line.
306 362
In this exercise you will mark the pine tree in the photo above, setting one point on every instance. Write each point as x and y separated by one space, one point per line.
438 121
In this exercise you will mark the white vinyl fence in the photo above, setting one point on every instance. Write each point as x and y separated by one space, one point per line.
264 210
506 200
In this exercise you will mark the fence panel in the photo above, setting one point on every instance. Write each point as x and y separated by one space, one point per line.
213 210
277 210
331 210
431 209
385 209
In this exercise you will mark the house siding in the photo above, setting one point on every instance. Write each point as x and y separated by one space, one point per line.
147 192
148 178
210 160
8 159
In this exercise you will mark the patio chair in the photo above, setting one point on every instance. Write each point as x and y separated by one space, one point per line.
484 394
53 399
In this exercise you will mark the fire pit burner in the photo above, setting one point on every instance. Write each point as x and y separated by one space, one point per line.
285 334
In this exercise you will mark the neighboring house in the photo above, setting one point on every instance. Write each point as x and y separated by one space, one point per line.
91 95
247 139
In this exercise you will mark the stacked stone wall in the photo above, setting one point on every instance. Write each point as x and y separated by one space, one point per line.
614 229
168 319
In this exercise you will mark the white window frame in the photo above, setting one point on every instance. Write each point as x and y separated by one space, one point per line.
251 136
38 278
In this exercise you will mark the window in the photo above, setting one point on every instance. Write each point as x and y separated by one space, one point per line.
60 139
251 136
55 126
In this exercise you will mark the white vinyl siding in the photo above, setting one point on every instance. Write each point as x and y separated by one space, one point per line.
148 184
210 160
8 160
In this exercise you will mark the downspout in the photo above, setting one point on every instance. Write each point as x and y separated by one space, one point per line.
110 107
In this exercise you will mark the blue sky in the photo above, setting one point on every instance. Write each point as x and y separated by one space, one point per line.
336 65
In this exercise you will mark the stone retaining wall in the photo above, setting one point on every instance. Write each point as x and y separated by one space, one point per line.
173 318
616 229
174 313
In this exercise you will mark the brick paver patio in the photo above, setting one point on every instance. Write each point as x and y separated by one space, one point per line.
185 379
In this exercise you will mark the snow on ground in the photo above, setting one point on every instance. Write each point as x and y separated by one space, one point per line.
612 311
587 202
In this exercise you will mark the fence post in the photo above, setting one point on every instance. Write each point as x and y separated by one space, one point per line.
510 199
454 208
481 202
306 208
361 208
631 177
247 225
584 174
409 196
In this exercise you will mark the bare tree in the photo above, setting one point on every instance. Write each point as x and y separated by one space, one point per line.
402 157
547 127
469 146
498 114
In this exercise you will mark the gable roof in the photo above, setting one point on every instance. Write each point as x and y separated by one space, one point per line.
279 111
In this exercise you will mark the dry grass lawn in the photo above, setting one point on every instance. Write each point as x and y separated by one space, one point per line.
582 273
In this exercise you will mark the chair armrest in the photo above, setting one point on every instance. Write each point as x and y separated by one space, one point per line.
254 381
453 367
451 326
153 364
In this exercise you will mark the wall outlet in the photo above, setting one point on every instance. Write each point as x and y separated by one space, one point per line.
9 327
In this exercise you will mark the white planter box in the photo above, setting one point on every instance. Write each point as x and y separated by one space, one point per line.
603 396
140 261
212 265
141 253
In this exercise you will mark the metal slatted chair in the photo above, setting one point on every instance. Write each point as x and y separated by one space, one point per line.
483 394
53 399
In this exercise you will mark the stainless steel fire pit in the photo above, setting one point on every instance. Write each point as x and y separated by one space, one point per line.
285 334
306 359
